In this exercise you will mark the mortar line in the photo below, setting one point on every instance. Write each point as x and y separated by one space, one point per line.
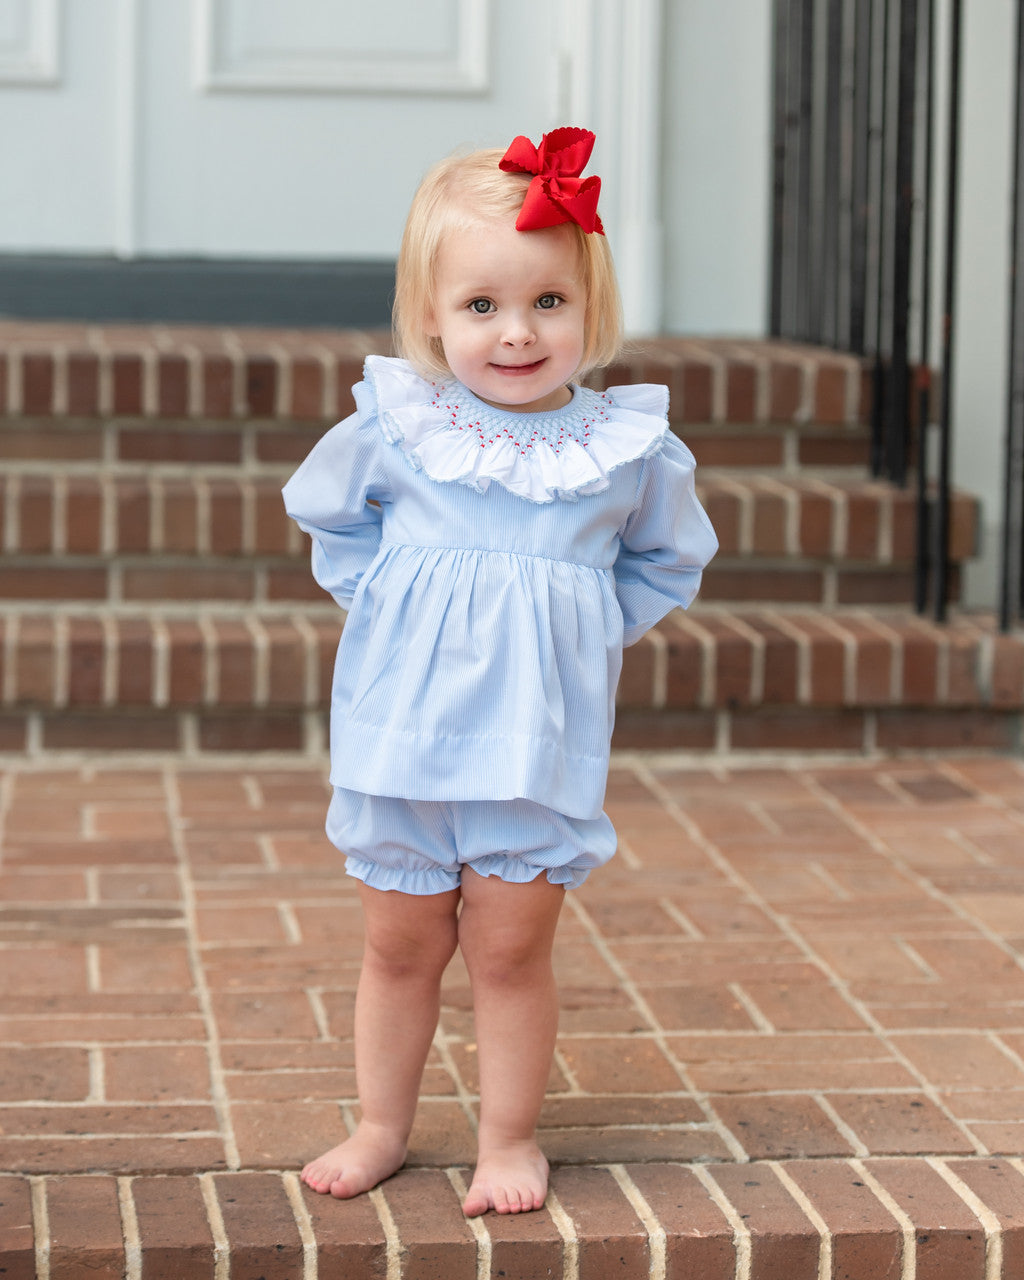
40 1227
566 1228
817 1221
993 1227
741 1239
484 1243
908 1271
658 1034
657 1238
218 1087
310 1258
392 1240
838 984
215 1220
129 1230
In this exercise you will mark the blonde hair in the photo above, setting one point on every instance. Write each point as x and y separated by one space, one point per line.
458 193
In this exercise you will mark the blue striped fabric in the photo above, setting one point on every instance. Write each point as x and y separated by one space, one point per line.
484 639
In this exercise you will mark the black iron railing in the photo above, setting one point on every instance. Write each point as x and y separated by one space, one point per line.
855 134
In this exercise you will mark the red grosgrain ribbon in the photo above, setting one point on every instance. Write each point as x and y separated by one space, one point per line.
557 193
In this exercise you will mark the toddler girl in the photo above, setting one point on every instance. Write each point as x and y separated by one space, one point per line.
497 533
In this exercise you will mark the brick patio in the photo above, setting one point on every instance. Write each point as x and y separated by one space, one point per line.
792 1042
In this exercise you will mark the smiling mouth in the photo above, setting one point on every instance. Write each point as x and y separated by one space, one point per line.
518 370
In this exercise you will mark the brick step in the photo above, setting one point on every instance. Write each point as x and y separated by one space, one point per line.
877 1217
195 372
258 445
711 680
178 536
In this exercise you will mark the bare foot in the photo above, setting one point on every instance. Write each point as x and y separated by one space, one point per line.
357 1165
509 1179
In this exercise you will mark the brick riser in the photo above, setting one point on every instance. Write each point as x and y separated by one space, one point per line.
93 371
708 680
128 539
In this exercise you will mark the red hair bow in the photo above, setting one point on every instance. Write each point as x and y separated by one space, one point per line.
557 193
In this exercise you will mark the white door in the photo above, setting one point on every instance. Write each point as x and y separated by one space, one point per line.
298 128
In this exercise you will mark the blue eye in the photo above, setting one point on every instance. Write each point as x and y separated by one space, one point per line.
482 306
547 301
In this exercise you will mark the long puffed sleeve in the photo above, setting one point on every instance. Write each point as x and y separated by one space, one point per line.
329 496
666 542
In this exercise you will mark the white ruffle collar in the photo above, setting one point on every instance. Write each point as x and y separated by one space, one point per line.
445 431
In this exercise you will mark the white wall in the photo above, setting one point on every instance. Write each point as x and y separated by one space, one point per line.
716 157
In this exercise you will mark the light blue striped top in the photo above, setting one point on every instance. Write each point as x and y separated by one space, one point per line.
493 566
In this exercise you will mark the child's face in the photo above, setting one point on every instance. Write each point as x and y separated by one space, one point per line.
509 311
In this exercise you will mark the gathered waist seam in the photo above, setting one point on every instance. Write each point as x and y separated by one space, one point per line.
387 543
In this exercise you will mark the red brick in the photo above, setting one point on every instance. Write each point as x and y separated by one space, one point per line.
126 373
260 1226
899 1124
179 444
944 731
235 655
70 732
636 683
4 407
135 662
83 517
250 732
950 1239
784 1242
665 730
186 664
35 522
612 1239
174 1232
44 582
86 647
723 508
287 663
307 395
350 1243
797 729
740 392
133 515
172 386
724 581
17 1250
286 444
830 394
36 658
180 531
169 1073
697 401
786 390
273 527
437 1241
225 517
770 523
37 383
780 1127
85 1228
699 1237
867 1241
261 376
218 386
204 582
1000 1187
83 374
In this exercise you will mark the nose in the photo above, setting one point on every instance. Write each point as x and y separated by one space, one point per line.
518 332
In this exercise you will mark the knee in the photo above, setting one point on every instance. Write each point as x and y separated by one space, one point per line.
507 963
399 957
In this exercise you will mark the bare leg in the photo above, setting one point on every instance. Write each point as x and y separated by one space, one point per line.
506 932
409 941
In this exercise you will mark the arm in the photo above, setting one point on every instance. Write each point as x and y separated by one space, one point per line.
328 497
665 544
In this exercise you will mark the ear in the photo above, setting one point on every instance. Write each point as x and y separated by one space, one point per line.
430 325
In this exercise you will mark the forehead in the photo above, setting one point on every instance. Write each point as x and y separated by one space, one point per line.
494 250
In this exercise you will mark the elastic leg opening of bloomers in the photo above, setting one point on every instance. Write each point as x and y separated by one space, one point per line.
420 846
